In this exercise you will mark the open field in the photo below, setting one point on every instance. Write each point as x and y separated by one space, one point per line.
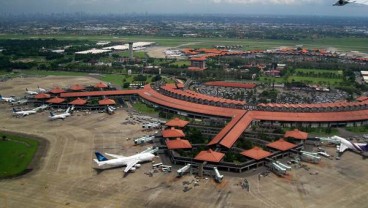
66 178
16 153
317 71
345 44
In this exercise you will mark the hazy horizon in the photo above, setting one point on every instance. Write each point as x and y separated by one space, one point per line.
184 7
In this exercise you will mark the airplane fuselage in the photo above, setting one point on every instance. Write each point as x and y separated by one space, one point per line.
143 157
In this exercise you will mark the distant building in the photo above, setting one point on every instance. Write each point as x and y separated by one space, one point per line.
197 64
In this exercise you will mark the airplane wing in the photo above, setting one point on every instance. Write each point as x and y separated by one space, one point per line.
130 165
342 147
114 156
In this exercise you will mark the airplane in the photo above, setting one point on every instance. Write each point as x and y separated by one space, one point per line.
345 144
41 108
7 99
30 92
41 90
62 115
342 2
131 162
23 113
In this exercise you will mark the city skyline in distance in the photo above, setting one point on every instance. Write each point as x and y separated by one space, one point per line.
236 7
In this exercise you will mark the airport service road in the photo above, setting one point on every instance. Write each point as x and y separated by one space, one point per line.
66 177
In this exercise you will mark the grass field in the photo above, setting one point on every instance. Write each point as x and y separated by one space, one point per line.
316 71
15 154
52 73
143 108
345 44
308 79
358 129
136 54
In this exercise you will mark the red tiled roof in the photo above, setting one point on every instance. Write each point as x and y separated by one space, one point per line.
42 96
78 101
177 122
77 87
237 130
172 133
106 101
101 85
178 144
231 84
362 98
210 156
57 90
296 134
55 100
256 153
201 58
281 144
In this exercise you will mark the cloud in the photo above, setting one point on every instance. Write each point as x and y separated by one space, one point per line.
280 2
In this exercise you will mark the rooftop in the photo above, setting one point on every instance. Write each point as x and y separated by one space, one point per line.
178 144
106 101
209 156
57 90
177 122
296 134
281 144
55 100
256 153
78 101
172 133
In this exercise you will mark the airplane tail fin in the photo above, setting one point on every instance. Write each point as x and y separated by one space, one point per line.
14 110
52 114
100 157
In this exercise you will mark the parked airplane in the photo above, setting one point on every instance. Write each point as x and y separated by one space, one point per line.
41 90
61 116
41 108
30 92
23 113
7 99
131 162
345 144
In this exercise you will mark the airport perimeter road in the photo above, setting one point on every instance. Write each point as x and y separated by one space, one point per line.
66 177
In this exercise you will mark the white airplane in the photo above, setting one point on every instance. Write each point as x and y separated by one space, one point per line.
23 113
345 144
131 162
41 108
62 115
30 92
7 99
41 90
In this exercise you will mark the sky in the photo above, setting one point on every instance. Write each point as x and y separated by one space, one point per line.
245 7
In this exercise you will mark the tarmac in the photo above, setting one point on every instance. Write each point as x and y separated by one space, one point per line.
65 177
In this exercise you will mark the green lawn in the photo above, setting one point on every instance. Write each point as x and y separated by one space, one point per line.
143 108
315 80
53 73
358 129
316 71
136 54
346 44
181 63
15 154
